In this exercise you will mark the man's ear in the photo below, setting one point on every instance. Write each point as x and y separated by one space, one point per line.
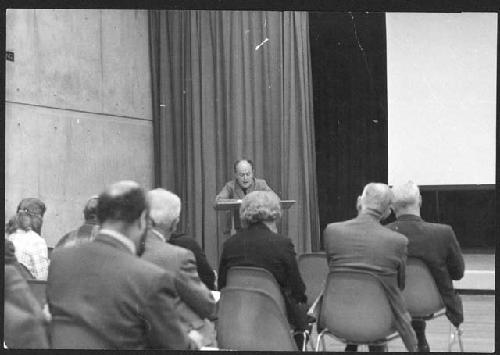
174 224
358 204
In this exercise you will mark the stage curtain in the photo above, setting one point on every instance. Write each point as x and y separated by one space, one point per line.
228 84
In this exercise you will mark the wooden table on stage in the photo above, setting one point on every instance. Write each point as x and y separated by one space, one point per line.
234 206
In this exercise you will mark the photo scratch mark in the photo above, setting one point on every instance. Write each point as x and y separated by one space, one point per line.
262 43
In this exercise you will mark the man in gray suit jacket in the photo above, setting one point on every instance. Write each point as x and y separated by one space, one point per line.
364 244
102 287
196 305
436 245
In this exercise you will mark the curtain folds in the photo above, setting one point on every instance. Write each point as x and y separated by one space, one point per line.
228 84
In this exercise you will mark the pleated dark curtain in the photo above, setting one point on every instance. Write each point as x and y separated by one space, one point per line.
228 84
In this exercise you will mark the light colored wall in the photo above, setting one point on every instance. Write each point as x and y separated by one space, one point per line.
78 108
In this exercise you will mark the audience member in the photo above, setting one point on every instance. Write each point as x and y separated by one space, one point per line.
373 249
196 305
24 324
436 245
205 271
105 287
260 245
31 248
85 232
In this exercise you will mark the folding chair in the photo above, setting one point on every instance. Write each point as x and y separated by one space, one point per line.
261 279
66 334
38 288
355 310
313 268
423 299
256 278
250 320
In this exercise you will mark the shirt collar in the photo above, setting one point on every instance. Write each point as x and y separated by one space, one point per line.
409 217
121 238
158 234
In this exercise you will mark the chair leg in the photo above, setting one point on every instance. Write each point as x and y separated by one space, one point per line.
320 340
455 336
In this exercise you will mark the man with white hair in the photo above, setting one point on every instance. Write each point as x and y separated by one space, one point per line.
374 250
196 305
436 245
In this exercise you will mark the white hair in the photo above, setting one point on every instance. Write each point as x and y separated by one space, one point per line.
164 206
260 206
405 195
376 197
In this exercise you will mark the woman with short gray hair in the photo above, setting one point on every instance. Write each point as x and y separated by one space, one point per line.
259 244
260 207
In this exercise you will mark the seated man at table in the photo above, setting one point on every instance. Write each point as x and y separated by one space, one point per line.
243 183
104 287
362 244
195 305
436 245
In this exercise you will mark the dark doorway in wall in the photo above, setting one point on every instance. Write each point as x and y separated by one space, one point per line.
349 69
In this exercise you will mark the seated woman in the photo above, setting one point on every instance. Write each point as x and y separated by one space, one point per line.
31 248
258 244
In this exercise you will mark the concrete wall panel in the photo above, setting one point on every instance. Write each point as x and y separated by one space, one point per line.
64 157
89 60
126 73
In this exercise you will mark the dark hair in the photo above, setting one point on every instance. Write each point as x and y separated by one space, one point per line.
90 209
243 159
126 207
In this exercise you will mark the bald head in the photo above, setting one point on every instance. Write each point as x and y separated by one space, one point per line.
376 198
164 206
123 201
243 172
407 199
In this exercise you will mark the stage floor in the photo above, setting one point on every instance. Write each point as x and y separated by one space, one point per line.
479 273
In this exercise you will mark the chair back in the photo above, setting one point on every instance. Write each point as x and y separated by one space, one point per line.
313 268
421 293
355 308
66 334
250 320
256 278
39 289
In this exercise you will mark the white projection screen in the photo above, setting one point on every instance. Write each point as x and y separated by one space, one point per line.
441 83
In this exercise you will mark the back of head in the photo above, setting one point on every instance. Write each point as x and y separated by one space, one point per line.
406 196
123 201
376 198
90 209
164 206
260 206
29 214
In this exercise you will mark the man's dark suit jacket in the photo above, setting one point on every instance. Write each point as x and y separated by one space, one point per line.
205 271
128 301
259 247
438 247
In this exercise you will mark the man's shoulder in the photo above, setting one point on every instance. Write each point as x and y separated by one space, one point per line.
260 182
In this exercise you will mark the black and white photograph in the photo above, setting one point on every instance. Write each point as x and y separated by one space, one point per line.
250 179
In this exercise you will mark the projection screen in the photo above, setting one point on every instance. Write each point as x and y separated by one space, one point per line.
441 82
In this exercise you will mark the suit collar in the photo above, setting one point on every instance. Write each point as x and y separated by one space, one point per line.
117 240
409 217
368 216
